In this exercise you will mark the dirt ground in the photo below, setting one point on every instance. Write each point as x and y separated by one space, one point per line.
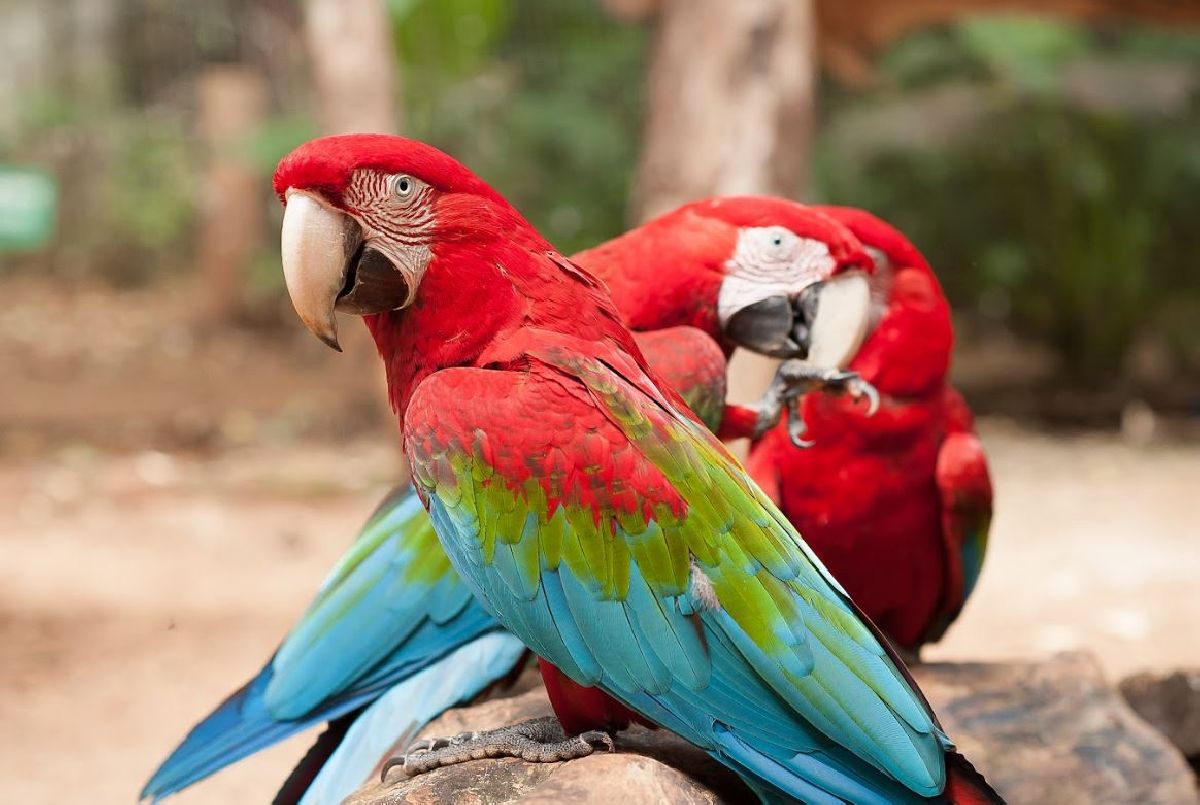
170 502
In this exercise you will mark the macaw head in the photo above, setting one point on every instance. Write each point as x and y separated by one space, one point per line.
364 217
768 274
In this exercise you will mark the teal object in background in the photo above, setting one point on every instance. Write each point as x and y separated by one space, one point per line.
28 208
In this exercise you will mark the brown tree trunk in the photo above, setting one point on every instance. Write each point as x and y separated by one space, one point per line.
232 103
354 64
729 101
851 31
729 110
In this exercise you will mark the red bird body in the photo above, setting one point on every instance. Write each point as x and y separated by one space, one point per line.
896 505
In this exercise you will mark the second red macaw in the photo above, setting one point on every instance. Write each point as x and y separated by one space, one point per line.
896 504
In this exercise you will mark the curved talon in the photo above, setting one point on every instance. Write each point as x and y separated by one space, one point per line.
598 738
418 748
872 395
423 745
797 428
398 760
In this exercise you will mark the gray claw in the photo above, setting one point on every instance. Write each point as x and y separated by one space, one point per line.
598 738
398 760
797 428
794 379
859 388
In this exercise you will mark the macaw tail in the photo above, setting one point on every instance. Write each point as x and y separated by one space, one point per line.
391 722
238 728
305 772
391 608
965 785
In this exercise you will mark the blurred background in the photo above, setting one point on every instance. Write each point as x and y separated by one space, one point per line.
180 462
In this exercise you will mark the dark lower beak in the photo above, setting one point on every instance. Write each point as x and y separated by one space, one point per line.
778 326
373 285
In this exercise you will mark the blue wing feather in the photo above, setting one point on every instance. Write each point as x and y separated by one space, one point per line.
370 627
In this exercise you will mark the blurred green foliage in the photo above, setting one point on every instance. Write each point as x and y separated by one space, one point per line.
128 178
543 100
1049 172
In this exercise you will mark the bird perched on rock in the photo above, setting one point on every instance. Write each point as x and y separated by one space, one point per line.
394 621
765 252
581 501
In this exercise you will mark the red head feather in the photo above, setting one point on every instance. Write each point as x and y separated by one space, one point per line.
326 164
875 232
909 351
465 206
805 220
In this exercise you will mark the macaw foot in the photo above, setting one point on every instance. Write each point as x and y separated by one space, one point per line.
539 740
794 379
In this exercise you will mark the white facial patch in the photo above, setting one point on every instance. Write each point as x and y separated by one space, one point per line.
770 261
400 226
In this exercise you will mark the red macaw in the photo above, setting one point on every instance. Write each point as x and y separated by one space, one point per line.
667 278
584 504
394 630
896 504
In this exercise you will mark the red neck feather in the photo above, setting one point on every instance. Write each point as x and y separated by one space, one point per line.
479 293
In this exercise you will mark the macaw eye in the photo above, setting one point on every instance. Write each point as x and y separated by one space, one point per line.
403 186
778 243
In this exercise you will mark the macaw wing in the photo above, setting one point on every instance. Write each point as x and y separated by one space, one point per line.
688 360
965 487
391 608
391 601
621 542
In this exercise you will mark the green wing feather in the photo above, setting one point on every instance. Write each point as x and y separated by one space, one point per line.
606 584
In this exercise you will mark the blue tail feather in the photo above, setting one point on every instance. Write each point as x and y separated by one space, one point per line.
401 712
372 626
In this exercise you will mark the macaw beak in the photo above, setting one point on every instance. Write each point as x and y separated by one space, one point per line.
327 267
824 324
842 317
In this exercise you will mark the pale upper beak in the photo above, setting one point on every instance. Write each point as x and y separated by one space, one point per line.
842 318
317 243
329 267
